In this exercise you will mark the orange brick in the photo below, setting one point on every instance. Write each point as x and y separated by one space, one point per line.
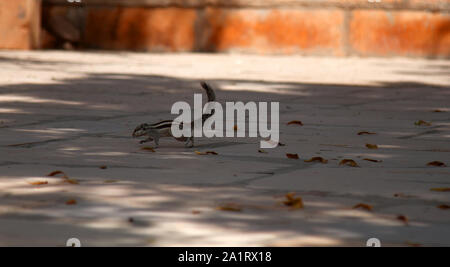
406 33
20 24
429 1
274 30
367 2
145 29
430 4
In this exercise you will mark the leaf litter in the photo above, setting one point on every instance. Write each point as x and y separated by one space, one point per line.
293 202
349 162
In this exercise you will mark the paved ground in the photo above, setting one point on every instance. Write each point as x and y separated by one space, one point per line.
74 112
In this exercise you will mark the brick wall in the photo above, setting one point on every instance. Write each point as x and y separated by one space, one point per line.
418 28
20 24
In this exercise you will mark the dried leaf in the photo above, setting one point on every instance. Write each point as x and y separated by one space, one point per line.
230 207
363 206
444 207
148 148
372 160
71 202
262 151
103 167
235 128
438 111
70 181
293 202
64 176
196 212
38 182
349 162
295 123
436 164
442 189
371 146
292 156
206 153
365 132
422 123
290 195
402 218
317 159
56 173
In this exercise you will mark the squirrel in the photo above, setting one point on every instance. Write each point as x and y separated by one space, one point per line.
163 128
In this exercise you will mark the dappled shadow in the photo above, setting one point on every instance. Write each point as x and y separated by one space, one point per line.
129 196
429 70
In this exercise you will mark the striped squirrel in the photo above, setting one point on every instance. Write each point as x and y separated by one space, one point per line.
163 128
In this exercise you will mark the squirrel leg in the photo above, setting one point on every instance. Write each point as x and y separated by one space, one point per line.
190 142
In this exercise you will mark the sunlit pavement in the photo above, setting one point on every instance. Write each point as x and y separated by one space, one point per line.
74 112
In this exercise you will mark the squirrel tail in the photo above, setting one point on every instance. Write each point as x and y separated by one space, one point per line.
211 98
209 91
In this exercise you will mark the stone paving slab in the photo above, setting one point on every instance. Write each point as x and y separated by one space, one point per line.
75 112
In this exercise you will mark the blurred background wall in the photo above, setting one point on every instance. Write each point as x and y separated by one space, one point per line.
417 28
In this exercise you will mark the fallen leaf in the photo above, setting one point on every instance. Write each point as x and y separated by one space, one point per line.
292 156
206 153
281 144
372 160
295 123
438 111
71 202
103 167
131 220
365 132
56 173
148 148
349 162
442 189
262 151
444 207
402 218
371 146
436 164
38 182
317 159
235 128
363 206
196 212
70 181
293 202
64 176
230 207
422 123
